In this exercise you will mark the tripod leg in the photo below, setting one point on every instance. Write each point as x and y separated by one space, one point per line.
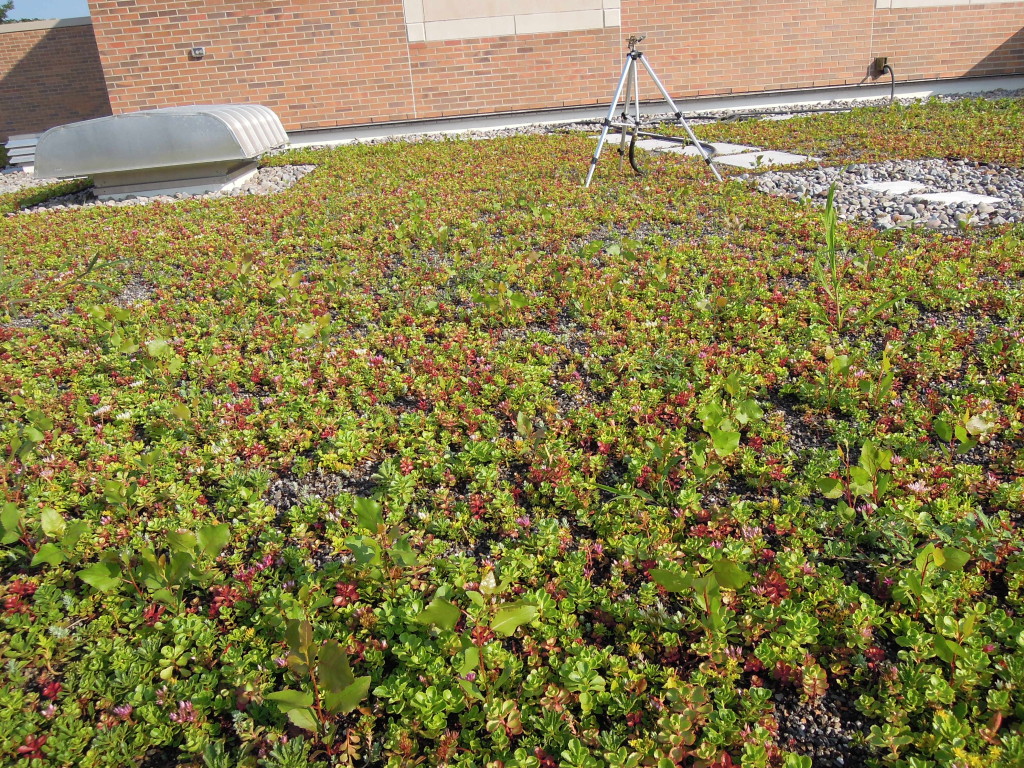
608 122
636 122
682 120
624 117
636 91
630 70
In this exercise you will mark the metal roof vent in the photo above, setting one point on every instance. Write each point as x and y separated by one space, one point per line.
21 151
191 150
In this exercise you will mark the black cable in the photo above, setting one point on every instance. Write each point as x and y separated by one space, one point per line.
892 83
632 154
708 149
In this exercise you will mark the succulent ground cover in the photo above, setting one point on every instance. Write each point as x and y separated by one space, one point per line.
974 129
438 458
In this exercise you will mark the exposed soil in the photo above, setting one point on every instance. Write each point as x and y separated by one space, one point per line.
827 729
805 433
288 491
136 292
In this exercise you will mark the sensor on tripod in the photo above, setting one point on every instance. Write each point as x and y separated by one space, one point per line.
630 125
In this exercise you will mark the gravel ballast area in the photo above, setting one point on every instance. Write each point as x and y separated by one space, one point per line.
887 210
16 181
698 116
695 116
267 181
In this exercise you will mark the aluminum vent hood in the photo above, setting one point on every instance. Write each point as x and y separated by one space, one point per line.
162 151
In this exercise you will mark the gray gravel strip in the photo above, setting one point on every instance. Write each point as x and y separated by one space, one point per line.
894 210
267 181
15 181
272 180
694 117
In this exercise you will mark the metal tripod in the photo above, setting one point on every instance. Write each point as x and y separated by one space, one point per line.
630 81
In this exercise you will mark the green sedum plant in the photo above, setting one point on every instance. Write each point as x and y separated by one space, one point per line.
464 465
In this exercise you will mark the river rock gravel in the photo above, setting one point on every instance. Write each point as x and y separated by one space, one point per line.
888 210
267 181
15 181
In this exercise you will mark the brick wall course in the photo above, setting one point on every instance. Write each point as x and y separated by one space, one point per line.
49 77
346 61
321 64
351 62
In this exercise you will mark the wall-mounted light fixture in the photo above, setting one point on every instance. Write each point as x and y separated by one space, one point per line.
197 52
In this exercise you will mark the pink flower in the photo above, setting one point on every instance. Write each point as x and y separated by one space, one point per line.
346 594
185 714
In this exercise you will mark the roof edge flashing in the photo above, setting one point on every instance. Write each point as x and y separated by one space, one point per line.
32 26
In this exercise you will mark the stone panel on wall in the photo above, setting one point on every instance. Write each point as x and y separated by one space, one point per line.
466 19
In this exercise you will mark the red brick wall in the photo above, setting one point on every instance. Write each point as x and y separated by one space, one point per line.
314 63
49 77
508 73
702 47
320 64
696 47
961 40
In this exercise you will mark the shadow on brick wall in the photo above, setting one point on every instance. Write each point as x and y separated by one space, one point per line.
1007 59
57 80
